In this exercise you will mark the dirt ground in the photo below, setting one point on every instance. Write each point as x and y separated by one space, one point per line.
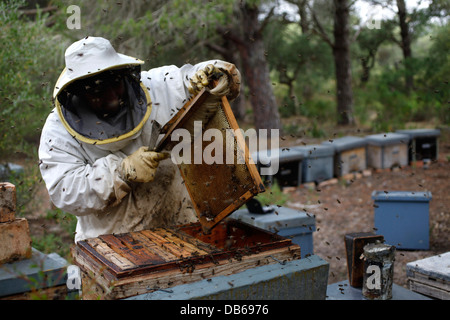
346 206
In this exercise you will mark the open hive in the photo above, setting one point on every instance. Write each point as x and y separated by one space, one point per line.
117 266
124 265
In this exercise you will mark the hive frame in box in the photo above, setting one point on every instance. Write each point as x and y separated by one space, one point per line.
117 266
244 188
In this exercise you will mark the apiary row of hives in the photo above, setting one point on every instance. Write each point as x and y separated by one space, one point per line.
349 154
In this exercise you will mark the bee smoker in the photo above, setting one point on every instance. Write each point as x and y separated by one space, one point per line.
378 271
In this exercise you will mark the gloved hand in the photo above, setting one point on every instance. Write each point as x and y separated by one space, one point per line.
141 165
222 78
202 78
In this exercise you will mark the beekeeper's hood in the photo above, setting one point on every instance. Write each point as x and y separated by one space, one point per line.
90 57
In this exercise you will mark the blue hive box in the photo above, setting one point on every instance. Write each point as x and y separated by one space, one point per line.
318 162
40 272
289 173
402 217
387 150
286 222
423 144
349 154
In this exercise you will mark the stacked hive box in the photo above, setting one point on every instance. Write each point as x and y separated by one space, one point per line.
423 144
15 240
430 276
387 150
286 222
349 154
317 164
288 170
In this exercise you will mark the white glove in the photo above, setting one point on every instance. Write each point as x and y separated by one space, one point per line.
222 78
141 165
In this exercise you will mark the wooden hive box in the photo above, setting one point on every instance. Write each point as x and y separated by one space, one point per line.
387 150
317 164
349 156
423 144
430 276
122 265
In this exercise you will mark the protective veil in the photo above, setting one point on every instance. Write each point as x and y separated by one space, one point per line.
80 155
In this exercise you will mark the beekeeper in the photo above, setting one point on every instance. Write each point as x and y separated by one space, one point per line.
94 155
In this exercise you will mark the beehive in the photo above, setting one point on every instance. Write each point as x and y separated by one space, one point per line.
402 217
286 222
387 150
123 265
317 164
349 154
289 173
430 276
423 144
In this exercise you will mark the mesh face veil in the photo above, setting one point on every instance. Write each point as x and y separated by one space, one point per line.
91 126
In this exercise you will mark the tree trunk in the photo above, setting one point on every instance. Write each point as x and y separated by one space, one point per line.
405 44
304 24
367 64
341 54
255 70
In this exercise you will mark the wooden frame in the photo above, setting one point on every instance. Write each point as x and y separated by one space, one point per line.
222 179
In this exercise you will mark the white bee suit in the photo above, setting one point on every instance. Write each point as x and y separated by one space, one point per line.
82 177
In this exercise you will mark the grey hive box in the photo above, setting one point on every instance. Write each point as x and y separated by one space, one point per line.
430 276
317 164
387 150
286 222
423 144
39 272
289 173
349 154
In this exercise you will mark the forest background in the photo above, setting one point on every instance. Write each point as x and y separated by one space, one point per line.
310 68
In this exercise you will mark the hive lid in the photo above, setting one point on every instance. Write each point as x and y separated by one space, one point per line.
417 196
435 267
266 157
413 133
216 188
280 218
387 138
346 143
315 150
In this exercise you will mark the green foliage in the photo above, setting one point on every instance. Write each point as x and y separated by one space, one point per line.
52 241
385 105
272 196
27 183
300 61
436 93
25 88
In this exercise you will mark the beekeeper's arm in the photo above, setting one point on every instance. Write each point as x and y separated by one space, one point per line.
81 187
